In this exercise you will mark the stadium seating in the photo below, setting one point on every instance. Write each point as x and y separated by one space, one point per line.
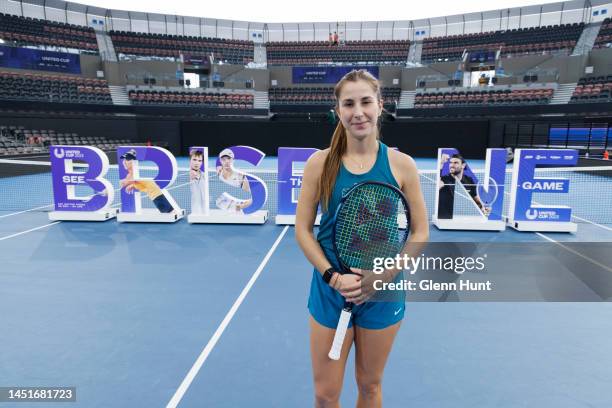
193 99
53 88
355 52
489 97
321 96
511 42
161 45
593 89
604 37
20 31
17 140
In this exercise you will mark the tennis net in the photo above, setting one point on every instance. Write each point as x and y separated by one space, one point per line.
26 185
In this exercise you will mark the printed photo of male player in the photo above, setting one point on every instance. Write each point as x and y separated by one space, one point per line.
197 182
446 193
149 187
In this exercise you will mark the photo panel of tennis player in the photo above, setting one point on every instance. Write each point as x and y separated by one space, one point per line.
198 179
454 170
231 176
132 184
470 199
356 183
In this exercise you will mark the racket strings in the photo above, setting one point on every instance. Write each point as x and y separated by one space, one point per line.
367 225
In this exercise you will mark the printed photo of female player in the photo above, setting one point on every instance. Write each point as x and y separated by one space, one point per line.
230 176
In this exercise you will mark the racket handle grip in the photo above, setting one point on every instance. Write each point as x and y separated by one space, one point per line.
343 323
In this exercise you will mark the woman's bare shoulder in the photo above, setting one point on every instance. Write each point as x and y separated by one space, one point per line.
316 161
401 161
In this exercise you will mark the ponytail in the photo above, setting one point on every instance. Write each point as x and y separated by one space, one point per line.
332 164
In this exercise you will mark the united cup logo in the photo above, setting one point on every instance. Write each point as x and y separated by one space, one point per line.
59 153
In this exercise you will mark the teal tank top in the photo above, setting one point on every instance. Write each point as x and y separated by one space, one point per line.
381 171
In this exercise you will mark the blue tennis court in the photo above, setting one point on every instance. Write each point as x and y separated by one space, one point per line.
154 315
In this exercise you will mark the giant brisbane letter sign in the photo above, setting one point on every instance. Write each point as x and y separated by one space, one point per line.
464 198
80 195
529 214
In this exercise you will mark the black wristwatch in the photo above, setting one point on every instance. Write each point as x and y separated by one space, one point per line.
327 275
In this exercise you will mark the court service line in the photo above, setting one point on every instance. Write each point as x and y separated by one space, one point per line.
25 211
30 230
180 392
594 262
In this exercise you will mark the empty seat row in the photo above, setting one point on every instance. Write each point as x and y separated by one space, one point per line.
32 31
350 52
53 88
199 99
484 97
516 41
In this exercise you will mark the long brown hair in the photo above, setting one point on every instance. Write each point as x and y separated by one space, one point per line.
337 146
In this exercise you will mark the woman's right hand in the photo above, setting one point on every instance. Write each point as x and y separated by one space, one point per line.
347 280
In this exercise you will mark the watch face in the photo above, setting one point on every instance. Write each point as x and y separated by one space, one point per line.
327 275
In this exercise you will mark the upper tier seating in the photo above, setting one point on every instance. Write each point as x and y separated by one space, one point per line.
32 31
512 42
496 97
604 38
162 45
315 52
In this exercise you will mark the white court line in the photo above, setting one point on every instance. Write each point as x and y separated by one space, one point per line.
57 222
30 230
25 211
607 268
592 222
180 392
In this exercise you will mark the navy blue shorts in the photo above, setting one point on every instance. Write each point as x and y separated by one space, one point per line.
325 305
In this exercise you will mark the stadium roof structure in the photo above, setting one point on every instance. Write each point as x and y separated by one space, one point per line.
566 12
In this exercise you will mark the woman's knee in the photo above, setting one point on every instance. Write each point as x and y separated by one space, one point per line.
327 394
369 385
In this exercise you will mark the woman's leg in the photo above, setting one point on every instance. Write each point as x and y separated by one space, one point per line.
372 348
328 374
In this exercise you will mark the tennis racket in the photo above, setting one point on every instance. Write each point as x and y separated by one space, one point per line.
366 227
487 198
227 202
